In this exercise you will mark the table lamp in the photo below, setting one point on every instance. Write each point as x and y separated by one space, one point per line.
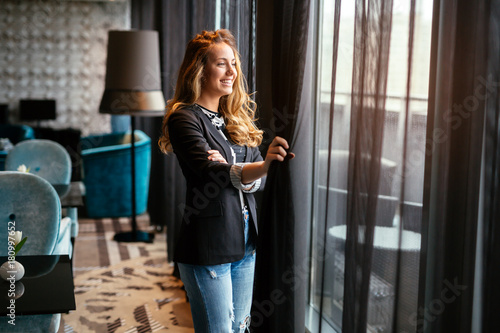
133 87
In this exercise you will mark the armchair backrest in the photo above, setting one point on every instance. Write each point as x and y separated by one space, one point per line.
31 205
95 144
16 133
44 158
107 173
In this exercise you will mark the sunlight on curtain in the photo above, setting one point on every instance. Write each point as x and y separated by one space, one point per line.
327 266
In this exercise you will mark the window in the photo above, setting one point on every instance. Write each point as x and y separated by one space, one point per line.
329 218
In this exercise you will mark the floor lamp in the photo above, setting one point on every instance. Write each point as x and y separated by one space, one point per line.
133 87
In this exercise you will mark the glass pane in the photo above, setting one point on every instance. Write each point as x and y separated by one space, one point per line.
329 217
330 207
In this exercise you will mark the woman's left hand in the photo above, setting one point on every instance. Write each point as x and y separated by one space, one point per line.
215 156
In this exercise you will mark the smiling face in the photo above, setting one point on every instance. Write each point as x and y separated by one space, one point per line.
219 73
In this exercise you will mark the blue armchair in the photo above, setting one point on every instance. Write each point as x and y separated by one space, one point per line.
44 158
33 204
15 134
107 173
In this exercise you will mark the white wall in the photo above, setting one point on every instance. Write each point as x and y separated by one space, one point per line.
57 50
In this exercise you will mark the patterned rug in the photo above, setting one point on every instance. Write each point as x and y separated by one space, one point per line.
124 287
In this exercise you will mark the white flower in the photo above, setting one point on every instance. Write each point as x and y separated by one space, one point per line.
22 168
18 240
18 236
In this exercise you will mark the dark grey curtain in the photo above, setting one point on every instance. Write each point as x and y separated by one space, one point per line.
464 42
491 191
240 17
178 21
283 96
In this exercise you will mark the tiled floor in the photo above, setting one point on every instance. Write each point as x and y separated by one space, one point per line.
95 248
126 273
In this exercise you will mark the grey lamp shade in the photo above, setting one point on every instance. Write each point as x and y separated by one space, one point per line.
133 84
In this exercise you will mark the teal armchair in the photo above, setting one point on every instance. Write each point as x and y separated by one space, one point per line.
33 204
107 173
44 158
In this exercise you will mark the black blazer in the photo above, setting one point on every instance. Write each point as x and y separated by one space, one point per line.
212 229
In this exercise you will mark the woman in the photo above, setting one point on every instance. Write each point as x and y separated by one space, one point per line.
209 125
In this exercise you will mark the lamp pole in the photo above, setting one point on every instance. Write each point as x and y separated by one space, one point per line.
135 235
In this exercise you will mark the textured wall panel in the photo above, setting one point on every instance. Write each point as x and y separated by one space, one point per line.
57 50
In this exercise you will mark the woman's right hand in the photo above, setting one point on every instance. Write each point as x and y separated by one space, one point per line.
216 156
277 151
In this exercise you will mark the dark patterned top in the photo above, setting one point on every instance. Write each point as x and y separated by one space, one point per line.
218 121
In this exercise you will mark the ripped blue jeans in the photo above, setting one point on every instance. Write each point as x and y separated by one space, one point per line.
221 295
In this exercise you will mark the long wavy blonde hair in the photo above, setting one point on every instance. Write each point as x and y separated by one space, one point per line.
238 109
